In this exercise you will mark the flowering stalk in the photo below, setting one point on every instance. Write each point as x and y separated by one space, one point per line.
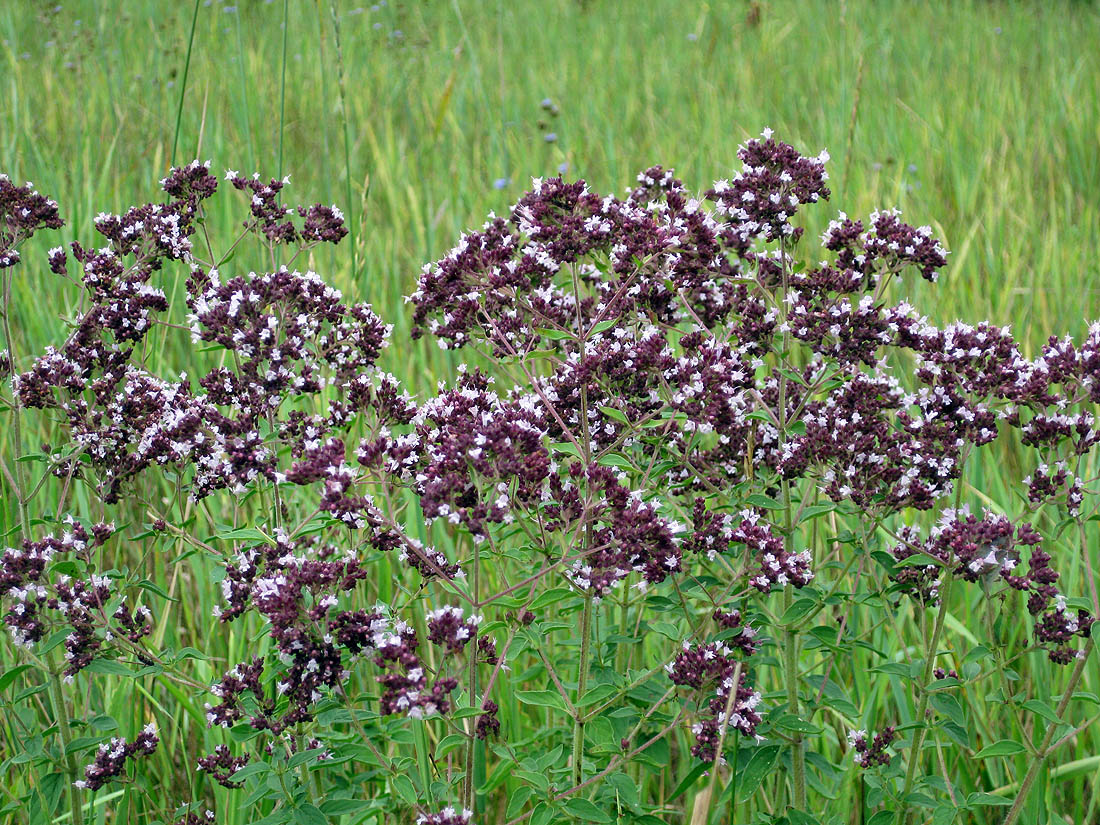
582 683
56 698
1048 737
685 394
790 671
468 791
926 679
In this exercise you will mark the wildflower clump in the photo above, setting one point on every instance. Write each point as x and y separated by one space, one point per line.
681 476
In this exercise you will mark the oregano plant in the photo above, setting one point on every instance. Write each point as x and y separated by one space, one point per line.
629 562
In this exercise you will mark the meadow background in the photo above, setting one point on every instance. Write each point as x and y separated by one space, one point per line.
979 118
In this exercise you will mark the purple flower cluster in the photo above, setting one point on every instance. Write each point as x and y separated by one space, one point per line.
990 549
23 211
191 818
869 754
291 335
886 247
110 759
629 533
777 566
448 816
710 668
448 627
667 359
294 585
474 457
270 217
774 182
743 637
488 725
40 604
405 680
221 765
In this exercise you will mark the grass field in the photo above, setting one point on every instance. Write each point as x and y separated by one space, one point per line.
979 118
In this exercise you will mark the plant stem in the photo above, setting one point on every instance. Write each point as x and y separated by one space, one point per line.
1037 764
582 683
183 85
16 406
798 746
468 779
922 703
350 206
56 698
61 714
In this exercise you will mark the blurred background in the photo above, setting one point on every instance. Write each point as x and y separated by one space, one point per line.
979 118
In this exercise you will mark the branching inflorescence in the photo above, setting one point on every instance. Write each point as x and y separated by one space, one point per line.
673 387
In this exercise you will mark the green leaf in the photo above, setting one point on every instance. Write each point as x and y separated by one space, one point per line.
251 769
304 756
543 814
1004 747
919 560
668 630
603 326
516 801
554 595
761 500
689 780
1044 710
404 787
949 706
541 698
801 818
11 675
892 669
145 584
617 415
109 667
103 722
976 654
308 814
760 765
338 807
986 799
448 744
583 809
618 461
626 790
596 694
246 534
555 334
791 722
82 742
797 611
538 780
815 510
466 713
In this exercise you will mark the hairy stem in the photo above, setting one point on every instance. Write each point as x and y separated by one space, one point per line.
790 671
922 703
1044 746
582 683
471 745
16 406
58 708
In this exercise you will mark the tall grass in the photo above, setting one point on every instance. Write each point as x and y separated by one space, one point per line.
978 117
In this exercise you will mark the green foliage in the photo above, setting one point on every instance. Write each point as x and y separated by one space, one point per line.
981 115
